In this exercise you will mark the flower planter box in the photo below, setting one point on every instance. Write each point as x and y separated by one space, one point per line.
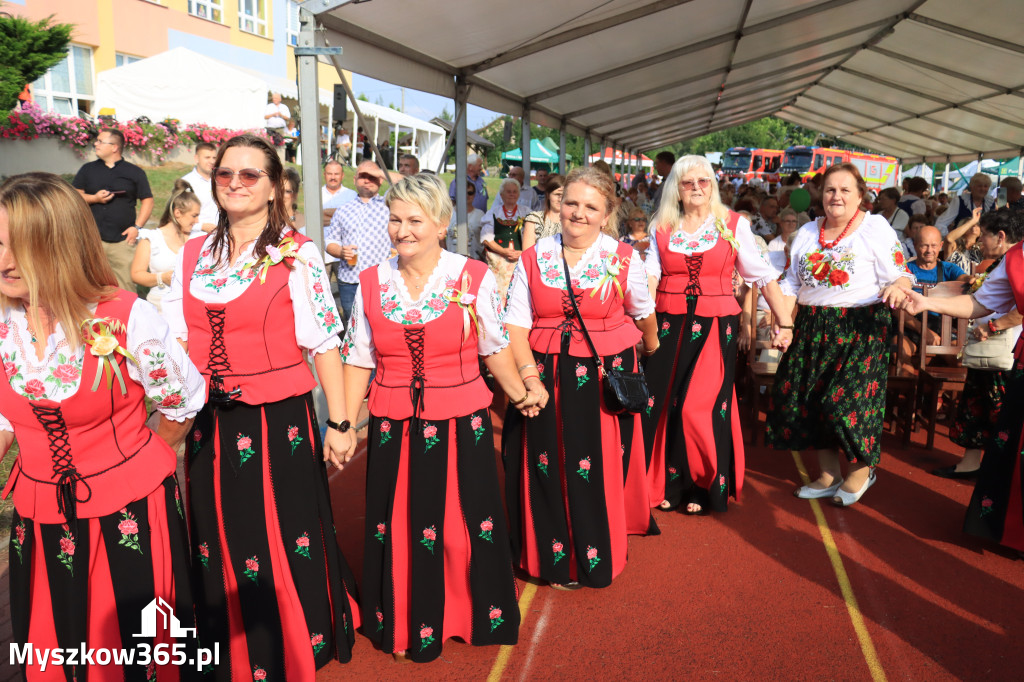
52 155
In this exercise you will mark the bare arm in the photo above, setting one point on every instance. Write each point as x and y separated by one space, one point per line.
503 368
145 210
951 238
338 446
173 433
101 197
6 440
522 354
957 306
648 326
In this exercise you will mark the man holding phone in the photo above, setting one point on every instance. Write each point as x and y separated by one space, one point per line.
111 186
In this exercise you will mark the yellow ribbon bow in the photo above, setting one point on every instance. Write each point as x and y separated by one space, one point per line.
275 254
465 300
98 333
727 234
612 267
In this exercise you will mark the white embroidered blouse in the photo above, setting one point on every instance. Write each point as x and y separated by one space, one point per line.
317 321
590 272
849 275
161 365
398 305
751 265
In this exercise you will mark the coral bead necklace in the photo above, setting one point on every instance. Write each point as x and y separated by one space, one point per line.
830 245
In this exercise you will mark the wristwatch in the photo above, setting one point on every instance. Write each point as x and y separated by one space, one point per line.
343 426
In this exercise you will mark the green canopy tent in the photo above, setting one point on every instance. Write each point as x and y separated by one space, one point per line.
540 157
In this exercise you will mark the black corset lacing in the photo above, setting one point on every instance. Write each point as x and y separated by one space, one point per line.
414 341
52 421
219 362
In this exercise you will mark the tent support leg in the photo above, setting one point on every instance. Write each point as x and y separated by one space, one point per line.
561 148
586 149
461 207
526 147
309 121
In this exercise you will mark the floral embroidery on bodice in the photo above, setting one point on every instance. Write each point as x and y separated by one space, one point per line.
703 239
398 305
588 273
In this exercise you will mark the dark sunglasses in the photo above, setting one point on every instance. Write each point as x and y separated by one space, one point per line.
247 176
367 176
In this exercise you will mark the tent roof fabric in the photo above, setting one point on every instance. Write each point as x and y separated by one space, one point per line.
923 80
472 137
538 153
369 110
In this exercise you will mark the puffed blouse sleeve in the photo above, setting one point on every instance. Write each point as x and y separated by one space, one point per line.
487 227
518 304
995 292
490 316
638 301
358 348
161 366
653 262
171 304
317 321
751 265
790 284
887 252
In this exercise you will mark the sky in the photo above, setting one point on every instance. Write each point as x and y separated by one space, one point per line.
419 104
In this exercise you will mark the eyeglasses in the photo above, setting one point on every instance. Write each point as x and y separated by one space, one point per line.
690 185
104 142
638 220
368 176
247 176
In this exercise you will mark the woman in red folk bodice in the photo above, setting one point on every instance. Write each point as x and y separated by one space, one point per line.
691 429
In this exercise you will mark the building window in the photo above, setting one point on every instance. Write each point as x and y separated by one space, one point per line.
207 9
292 30
252 16
123 59
67 88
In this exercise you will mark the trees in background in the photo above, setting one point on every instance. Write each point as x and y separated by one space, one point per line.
27 51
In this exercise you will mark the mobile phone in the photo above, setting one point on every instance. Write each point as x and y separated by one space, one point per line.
1001 197
117 192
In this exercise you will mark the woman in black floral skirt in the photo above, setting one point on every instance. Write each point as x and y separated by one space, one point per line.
829 393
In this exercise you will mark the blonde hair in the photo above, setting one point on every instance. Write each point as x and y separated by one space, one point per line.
425 190
56 244
669 213
604 184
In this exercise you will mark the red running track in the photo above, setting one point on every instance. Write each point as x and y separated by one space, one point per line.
752 594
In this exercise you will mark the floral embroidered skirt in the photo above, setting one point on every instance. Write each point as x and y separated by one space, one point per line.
996 511
88 583
575 476
691 426
271 583
437 562
829 391
977 413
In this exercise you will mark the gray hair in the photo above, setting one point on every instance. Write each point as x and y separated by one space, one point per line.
509 181
473 159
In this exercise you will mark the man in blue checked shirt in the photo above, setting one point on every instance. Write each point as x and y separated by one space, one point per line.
358 234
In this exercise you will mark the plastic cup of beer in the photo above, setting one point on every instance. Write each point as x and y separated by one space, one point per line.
354 258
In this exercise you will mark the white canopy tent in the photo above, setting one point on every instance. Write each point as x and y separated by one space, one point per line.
166 85
426 140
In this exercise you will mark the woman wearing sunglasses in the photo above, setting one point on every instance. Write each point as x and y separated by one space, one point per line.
252 301
693 436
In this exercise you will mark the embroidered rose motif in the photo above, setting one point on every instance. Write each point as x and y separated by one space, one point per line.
35 388
426 636
664 330
158 373
171 400
389 306
412 316
381 531
380 620
540 370
329 319
294 439
4 330
584 470
477 424
245 450
695 331
581 376
838 278
650 406
430 435
129 531
542 463
592 558
429 538
10 369
617 362
67 550
385 431
486 526
252 569
318 287
556 550
723 409
219 282
19 540
317 640
437 304
495 615
384 287
302 545
728 333
66 373
204 555
258 673
552 273
721 483
986 505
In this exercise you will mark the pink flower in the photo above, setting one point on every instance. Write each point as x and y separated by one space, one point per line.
252 565
413 315
728 329
381 528
384 287
556 547
3 330
724 406
585 464
159 373
581 371
437 304
1003 435
450 283
721 480
316 639
329 318
302 541
171 400
20 532
244 442
197 436
540 367
592 273
35 388
128 527
219 283
66 373
67 546
293 431
650 402
665 325
259 674
486 525
204 550
429 431
318 288
380 617
476 422
543 459
694 245
984 503
429 534
426 632
616 363
10 369
551 273
696 327
575 282
495 613
385 426
389 306
672 470
591 552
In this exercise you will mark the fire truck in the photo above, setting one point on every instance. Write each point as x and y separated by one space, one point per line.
878 171
747 163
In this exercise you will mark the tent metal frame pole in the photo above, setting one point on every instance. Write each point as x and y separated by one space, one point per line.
309 120
451 136
586 149
526 146
561 149
461 140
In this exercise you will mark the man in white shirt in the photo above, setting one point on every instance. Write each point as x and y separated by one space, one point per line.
408 165
199 178
276 114
333 196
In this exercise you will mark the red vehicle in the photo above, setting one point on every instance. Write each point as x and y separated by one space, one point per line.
878 171
747 163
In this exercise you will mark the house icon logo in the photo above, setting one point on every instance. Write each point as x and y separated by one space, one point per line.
160 611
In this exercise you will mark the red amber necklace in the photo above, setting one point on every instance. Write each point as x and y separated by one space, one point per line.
831 245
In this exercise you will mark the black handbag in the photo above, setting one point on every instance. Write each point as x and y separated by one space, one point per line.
623 391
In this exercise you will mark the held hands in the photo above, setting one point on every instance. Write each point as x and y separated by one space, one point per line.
339 447
536 397
914 303
781 338
895 296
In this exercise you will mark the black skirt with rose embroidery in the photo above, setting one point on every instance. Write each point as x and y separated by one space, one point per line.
829 392
977 412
